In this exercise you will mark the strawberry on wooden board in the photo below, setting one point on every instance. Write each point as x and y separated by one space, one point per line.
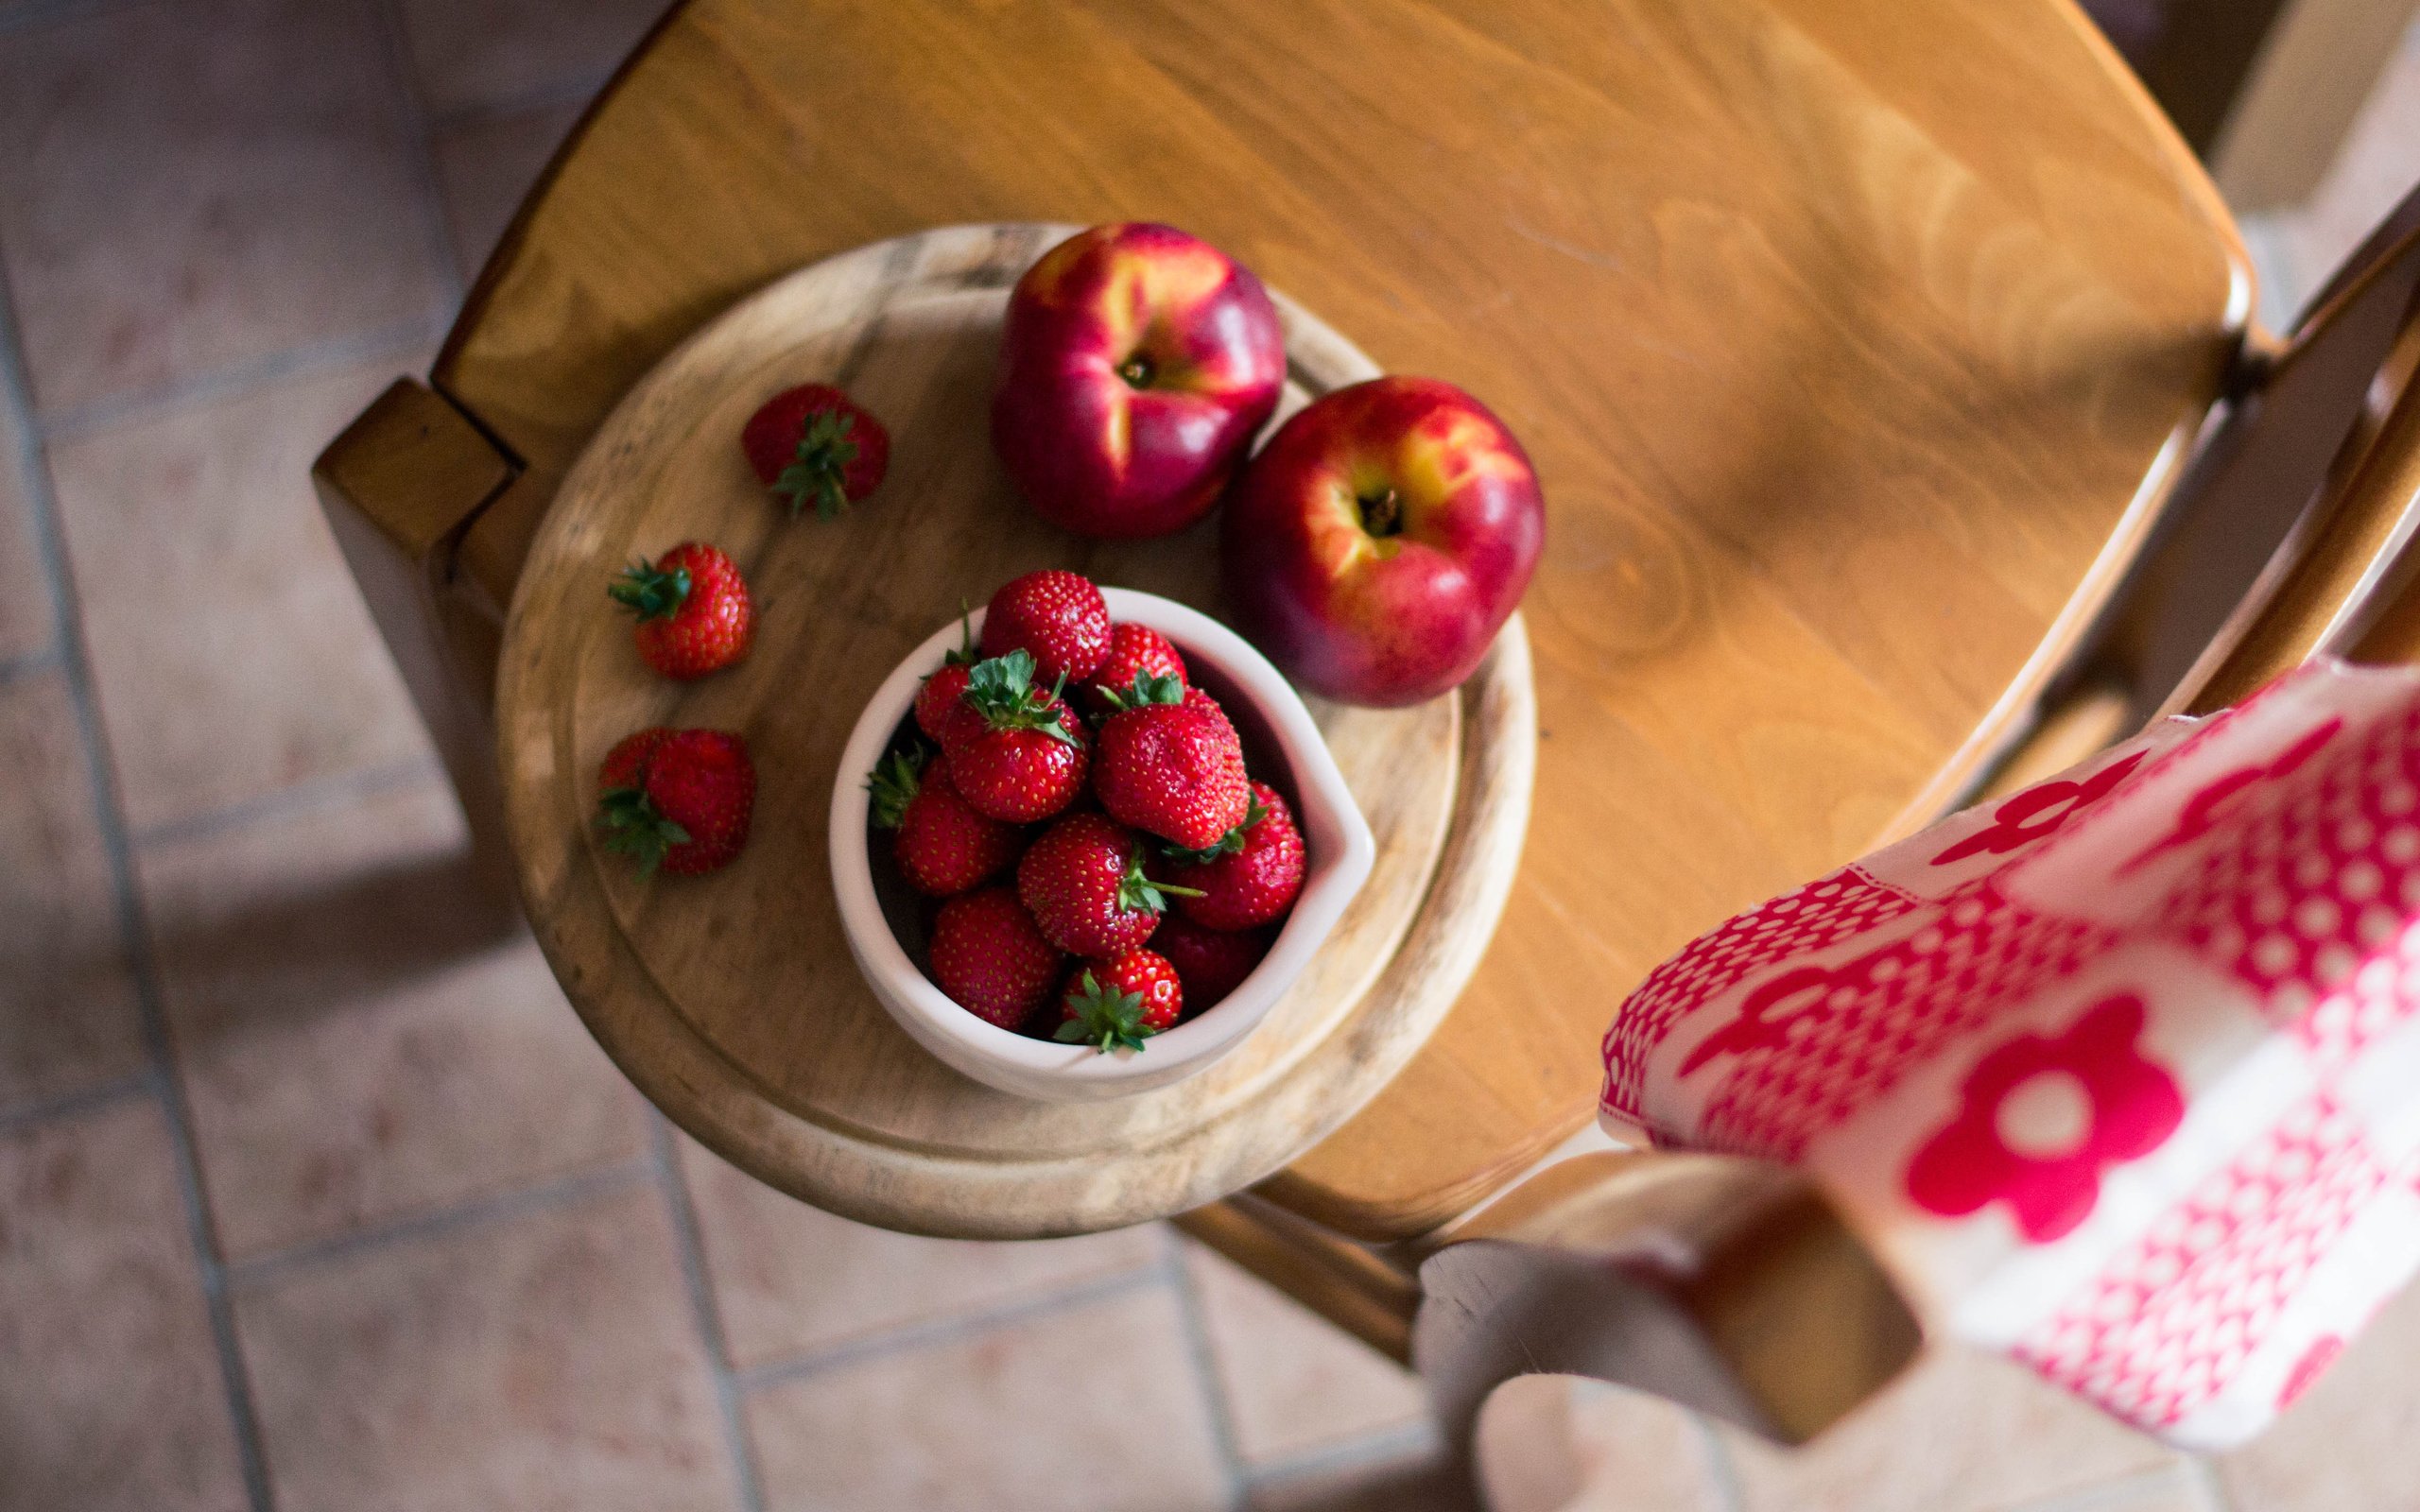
1030 759
943 712
1058 618
942 846
677 798
814 444
1134 650
1117 1004
1084 884
1211 963
1168 761
990 959
1251 875
693 616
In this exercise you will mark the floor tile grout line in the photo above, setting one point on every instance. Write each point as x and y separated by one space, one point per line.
75 1104
31 664
1380 1446
913 1337
32 15
1715 1455
294 800
690 1243
478 1213
1224 1439
109 816
437 227
236 380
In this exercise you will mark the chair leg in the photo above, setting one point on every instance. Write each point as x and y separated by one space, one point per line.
1352 1286
398 487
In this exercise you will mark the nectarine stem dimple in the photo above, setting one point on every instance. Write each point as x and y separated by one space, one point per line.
1381 512
1136 370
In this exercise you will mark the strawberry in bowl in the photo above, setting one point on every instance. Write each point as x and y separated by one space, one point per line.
1095 881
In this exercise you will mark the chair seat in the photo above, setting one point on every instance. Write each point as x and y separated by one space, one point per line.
1855 344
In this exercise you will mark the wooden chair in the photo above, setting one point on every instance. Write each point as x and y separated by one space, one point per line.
1860 348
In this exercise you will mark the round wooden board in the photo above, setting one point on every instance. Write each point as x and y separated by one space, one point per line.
732 1000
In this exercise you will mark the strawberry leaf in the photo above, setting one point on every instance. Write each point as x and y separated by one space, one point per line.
893 783
1105 1018
821 467
1136 891
653 593
1002 690
1148 688
633 826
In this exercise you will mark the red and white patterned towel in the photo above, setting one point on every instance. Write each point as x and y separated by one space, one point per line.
2119 1076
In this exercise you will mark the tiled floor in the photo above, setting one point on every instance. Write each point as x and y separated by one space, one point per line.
314 1194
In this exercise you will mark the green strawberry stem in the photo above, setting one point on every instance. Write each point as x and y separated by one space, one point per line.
1148 688
1137 891
1105 1019
633 826
825 453
893 783
1228 844
655 593
1002 690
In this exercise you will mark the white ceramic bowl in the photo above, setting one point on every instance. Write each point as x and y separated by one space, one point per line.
1277 730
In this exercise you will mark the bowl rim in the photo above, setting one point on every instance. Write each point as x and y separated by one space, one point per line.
1332 821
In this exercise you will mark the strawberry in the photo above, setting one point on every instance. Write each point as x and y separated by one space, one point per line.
1029 760
1055 617
1134 649
1117 1004
1251 876
941 708
677 798
693 611
989 958
1083 880
814 442
944 847
1211 963
1168 761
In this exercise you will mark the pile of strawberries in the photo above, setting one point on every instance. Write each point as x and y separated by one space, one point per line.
681 800
1108 816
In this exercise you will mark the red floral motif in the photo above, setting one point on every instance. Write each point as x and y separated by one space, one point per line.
1757 1028
2206 810
2038 813
2134 1104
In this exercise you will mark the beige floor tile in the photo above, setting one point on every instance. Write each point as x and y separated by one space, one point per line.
1548 1443
26 620
2348 1446
232 652
1417 1481
1961 1431
469 54
789 1279
540 1363
110 1395
67 1008
1089 1409
359 1039
485 165
189 186
1294 1382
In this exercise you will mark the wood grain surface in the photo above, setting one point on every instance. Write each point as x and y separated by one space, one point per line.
1854 341
732 999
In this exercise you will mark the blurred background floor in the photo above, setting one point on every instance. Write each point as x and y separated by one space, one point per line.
315 1195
